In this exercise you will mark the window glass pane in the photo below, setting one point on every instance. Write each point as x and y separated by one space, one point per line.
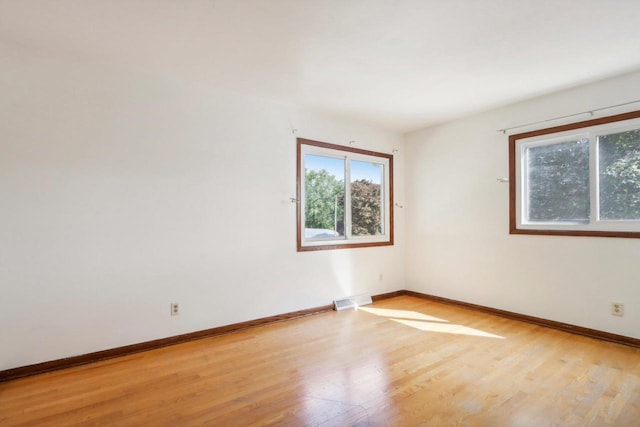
324 184
619 175
558 182
366 198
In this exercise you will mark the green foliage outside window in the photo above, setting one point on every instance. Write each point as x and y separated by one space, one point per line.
620 175
324 208
559 182
365 208
559 179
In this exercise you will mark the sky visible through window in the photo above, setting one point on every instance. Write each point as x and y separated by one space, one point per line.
359 170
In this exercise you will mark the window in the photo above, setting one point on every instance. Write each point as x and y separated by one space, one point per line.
345 197
581 179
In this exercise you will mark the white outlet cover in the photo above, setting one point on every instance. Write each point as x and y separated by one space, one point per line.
175 309
617 309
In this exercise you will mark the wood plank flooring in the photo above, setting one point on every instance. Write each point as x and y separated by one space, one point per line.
399 362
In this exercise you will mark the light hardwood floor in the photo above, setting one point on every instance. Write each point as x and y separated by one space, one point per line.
399 362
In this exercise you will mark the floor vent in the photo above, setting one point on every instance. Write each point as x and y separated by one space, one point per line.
351 302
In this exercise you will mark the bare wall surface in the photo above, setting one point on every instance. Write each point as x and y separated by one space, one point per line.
458 243
121 193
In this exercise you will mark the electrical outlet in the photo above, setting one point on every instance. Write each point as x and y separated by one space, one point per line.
175 309
617 309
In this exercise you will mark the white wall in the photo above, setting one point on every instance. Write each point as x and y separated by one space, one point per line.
458 245
121 193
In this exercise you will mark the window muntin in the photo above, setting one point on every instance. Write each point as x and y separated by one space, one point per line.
344 197
578 179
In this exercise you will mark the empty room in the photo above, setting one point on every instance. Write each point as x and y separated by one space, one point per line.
319 213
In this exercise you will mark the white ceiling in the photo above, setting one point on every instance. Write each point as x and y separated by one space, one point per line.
398 64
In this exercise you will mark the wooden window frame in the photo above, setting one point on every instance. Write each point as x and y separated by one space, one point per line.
349 244
515 180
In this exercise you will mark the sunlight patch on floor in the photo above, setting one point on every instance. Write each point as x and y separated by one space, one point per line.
446 328
427 323
401 314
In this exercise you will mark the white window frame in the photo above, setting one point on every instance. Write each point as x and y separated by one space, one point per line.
523 172
349 154
590 130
